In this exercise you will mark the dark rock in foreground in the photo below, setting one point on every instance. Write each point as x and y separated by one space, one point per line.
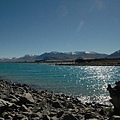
20 102
115 97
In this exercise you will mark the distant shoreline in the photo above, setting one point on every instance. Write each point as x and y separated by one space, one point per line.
95 62
76 62
84 62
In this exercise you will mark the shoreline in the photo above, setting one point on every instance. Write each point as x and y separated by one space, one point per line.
74 62
84 98
20 101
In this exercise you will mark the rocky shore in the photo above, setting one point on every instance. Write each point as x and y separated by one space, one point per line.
20 102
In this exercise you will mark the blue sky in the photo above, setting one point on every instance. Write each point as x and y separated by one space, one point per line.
38 26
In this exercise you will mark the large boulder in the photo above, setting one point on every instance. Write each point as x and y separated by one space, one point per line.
115 97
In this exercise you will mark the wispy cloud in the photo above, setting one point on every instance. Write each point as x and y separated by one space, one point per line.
80 25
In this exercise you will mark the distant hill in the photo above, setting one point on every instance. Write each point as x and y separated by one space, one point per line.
63 56
58 56
92 55
20 59
28 57
116 54
69 55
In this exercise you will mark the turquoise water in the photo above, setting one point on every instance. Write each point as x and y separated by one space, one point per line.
87 82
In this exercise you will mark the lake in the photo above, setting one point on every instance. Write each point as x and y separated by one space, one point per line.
87 82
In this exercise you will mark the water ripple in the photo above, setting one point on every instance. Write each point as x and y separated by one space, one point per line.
87 82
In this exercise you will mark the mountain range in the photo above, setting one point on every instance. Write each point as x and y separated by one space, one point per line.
63 56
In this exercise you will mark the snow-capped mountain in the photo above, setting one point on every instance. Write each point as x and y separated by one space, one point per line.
69 55
54 55
27 57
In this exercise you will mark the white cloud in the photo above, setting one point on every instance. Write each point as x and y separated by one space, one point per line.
80 26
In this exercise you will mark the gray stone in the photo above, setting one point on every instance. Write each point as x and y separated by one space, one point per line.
39 114
54 118
114 117
70 105
27 98
25 109
52 114
46 117
93 119
35 118
25 118
19 117
7 116
69 117
89 115
14 97
2 118
56 104
36 115
5 103
59 114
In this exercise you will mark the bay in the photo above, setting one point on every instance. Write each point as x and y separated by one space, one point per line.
87 82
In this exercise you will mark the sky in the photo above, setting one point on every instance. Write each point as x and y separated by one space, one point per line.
38 26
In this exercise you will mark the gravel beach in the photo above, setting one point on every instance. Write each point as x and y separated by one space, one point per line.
21 102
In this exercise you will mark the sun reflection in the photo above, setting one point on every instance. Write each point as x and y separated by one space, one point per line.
94 80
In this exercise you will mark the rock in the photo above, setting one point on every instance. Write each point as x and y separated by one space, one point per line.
26 98
36 118
11 91
6 116
26 113
69 117
80 117
115 97
14 97
93 119
33 115
46 117
2 118
5 103
20 102
14 107
19 117
9 117
25 109
59 114
52 114
90 115
54 118
39 114
114 117
25 118
56 104
76 110
69 105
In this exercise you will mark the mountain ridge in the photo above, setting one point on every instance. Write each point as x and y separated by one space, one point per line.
54 55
